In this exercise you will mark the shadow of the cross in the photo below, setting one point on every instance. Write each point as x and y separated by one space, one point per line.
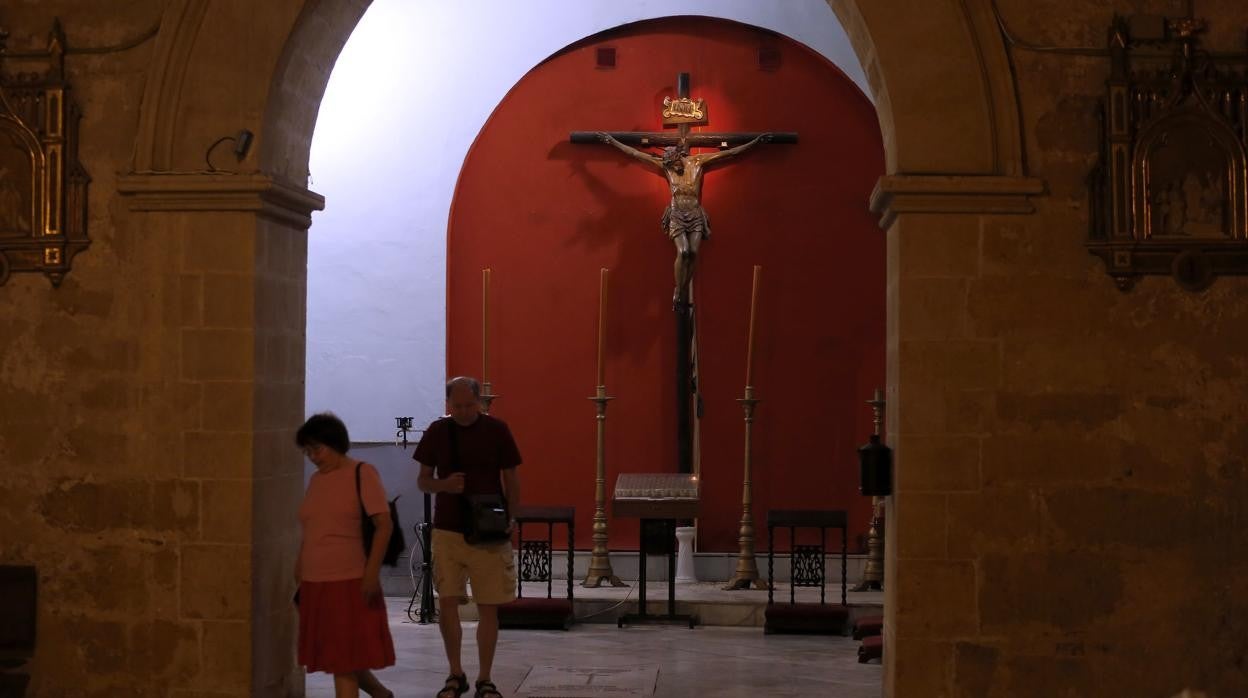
627 225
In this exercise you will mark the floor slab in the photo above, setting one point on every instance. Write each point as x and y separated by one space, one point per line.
727 662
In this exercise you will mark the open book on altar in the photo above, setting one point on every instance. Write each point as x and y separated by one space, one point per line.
656 495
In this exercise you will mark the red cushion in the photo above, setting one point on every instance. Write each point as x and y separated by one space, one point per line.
537 605
536 613
871 648
805 618
867 626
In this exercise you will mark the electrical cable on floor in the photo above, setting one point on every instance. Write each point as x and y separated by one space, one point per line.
623 601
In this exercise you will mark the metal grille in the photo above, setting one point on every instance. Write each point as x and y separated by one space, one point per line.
535 560
808 566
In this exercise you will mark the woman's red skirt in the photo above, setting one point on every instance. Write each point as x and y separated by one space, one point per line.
339 632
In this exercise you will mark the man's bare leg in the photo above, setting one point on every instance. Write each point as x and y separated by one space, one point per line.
452 633
487 639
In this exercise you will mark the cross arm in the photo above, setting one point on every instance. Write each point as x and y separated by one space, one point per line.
651 160
659 139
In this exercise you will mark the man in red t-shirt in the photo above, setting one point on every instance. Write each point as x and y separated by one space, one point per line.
480 457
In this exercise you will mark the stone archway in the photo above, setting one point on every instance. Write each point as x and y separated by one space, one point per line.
948 112
239 245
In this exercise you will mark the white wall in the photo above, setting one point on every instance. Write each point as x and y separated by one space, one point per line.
413 86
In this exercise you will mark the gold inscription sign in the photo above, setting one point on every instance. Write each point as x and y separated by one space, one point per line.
683 110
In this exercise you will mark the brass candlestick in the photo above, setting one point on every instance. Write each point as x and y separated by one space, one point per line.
599 561
487 396
873 573
747 567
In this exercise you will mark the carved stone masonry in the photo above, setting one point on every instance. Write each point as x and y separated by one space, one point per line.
43 187
1169 195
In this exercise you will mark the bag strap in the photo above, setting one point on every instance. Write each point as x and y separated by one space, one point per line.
455 464
453 432
359 495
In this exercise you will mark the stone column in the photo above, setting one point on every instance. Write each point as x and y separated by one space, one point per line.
942 377
234 305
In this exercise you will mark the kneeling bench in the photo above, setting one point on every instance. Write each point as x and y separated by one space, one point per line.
537 565
807 569
871 648
868 626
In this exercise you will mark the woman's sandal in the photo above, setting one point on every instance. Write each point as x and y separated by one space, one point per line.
487 689
456 686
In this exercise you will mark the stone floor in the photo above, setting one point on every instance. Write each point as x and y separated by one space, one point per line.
725 662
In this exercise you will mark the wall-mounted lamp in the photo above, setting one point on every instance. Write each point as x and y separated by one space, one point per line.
242 144
403 425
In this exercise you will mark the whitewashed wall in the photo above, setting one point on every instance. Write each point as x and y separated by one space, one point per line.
413 86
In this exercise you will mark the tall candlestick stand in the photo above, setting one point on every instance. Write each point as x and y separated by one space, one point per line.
747 567
599 561
421 607
873 573
487 396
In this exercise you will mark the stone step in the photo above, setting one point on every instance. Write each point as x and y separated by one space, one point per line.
711 604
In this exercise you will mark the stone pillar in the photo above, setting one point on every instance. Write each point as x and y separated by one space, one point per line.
234 306
941 377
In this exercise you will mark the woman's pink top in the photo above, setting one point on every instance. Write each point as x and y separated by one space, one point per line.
333 545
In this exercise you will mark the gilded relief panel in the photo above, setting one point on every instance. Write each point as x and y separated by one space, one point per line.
42 185
1168 196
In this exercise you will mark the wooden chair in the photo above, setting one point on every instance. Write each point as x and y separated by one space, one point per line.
807 569
537 565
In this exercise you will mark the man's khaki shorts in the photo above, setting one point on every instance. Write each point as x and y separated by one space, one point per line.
490 568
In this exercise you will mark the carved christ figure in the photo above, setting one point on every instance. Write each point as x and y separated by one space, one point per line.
684 221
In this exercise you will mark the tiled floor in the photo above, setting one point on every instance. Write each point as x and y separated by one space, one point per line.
707 661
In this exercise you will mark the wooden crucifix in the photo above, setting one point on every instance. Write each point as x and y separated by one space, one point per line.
684 221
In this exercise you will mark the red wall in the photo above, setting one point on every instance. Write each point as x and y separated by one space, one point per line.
546 215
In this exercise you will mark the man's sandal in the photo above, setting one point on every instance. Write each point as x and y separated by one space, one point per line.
487 689
456 686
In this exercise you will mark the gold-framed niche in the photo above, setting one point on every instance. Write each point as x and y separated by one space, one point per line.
43 187
1169 194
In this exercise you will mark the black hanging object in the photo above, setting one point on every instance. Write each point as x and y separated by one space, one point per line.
876 463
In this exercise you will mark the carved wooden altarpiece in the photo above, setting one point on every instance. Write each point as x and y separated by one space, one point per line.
1169 194
43 187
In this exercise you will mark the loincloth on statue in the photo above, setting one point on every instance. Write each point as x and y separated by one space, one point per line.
688 222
